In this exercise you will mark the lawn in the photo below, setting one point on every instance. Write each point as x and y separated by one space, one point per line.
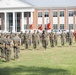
52 61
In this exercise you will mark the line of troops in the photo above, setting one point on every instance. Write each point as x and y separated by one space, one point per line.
9 42
36 38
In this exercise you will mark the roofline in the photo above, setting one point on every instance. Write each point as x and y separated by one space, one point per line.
8 7
69 7
27 3
18 8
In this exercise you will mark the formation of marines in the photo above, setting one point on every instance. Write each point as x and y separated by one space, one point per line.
9 42
35 38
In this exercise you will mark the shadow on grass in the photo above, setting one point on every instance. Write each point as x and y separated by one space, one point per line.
23 70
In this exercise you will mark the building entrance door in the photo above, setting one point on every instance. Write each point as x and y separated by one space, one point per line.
10 22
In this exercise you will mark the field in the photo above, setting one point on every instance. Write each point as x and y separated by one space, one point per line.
52 61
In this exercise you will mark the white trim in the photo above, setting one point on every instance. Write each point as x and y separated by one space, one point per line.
46 10
55 10
62 10
17 10
5 20
70 10
16 22
22 24
31 17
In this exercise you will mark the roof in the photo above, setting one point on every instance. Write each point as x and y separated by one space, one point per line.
37 3
51 3
14 4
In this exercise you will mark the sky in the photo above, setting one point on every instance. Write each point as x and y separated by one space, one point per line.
52 3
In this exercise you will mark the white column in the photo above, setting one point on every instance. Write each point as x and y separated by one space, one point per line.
16 22
22 25
5 19
13 22
31 17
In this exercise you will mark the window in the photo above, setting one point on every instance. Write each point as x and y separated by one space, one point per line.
10 27
55 26
55 14
71 13
46 14
10 16
0 27
39 14
25 26
61 13
61 26
18 16
74 12
18 28
70 26
27 13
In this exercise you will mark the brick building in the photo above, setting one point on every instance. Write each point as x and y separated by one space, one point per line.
18 15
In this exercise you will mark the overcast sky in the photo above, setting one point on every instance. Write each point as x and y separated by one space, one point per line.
49 3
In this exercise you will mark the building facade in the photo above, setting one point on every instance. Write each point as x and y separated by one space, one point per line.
17 16
59 18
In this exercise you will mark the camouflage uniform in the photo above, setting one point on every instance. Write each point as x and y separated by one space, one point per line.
34 39
55 38
47 35
44 39
38 37
26 39
12 35
3 46
67 37
22 38
30 38
8 48
70 37
62 38
17 43
51 36
0 46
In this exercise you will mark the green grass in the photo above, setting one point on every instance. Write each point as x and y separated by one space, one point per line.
52 61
